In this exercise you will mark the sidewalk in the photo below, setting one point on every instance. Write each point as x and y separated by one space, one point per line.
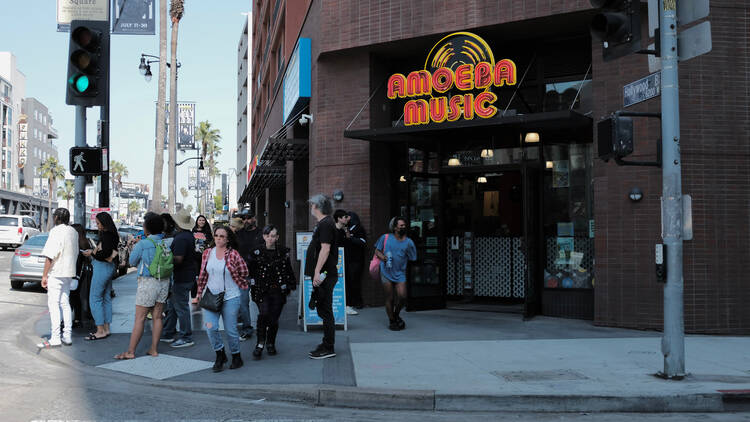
444 360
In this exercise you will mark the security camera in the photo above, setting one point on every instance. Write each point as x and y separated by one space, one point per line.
305 119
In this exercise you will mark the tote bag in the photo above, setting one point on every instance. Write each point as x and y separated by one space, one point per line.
375 262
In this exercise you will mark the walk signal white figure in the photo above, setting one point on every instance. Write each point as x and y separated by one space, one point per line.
78 162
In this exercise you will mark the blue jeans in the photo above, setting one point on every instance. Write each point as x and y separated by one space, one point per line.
229 314
247 324
178 307
100 300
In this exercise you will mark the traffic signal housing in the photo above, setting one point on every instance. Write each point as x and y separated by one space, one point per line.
618 26
88 63
615 137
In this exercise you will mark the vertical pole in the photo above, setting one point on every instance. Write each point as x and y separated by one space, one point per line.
80 181
104 117
673 342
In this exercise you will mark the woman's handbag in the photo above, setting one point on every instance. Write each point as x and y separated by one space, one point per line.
211 302
375 263
214 302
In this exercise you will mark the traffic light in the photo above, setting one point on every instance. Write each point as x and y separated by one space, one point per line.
615 135
618 25
88 63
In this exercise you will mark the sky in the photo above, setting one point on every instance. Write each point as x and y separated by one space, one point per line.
209 34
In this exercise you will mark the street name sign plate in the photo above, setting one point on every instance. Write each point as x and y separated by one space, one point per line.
642 89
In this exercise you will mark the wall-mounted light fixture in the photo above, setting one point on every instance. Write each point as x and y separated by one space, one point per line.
338 195
481 179
531 137
550 164
287 204
402 179
635 195
454 162
487 153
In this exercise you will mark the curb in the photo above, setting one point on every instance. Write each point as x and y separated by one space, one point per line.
424 400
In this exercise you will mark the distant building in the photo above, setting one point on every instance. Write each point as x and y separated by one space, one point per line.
244 116
38 148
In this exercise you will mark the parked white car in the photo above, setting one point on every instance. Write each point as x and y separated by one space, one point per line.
16 229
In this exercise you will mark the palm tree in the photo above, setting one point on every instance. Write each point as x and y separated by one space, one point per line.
209 139
117 171
160 107
133 207
66 191
52 171
176 10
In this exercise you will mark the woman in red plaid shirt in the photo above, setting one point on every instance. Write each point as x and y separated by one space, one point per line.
223 270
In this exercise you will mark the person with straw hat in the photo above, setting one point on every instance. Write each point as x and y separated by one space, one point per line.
183 251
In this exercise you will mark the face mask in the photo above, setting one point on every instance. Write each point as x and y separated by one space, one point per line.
401 232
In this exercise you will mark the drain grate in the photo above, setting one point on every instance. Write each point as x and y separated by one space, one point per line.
532 376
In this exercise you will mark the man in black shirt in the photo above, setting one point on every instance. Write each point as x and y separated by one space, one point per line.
320 265
250 238
185 271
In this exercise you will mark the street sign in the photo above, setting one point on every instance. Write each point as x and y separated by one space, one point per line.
85 161
687 12
691 42
642 89
68 11
133 17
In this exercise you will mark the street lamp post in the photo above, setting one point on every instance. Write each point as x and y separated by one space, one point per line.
145 69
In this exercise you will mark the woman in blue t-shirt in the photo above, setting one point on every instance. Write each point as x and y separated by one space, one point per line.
394 251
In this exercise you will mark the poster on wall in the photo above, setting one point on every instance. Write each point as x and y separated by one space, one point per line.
560 174
565 246
303 241
491 203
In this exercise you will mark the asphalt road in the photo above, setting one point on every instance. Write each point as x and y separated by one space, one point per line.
34 388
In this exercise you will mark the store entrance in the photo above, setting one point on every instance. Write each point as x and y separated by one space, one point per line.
483 233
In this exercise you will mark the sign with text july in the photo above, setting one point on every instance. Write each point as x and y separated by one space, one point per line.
133 17
310 316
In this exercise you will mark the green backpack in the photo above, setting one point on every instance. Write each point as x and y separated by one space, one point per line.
161 266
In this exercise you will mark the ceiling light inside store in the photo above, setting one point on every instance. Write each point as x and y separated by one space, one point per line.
481 179
531 137
550 164
402 179
487 153
454 162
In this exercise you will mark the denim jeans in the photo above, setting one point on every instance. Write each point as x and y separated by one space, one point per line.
100 300
178 307
244 311
229 316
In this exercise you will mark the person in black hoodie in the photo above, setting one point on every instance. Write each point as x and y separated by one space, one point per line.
354 239
272 279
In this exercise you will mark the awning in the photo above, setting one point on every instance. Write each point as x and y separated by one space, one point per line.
548 124
268 169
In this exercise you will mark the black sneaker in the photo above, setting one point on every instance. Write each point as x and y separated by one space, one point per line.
393 326
401 323
317 348
322 353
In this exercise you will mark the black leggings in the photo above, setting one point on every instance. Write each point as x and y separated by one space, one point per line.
269 311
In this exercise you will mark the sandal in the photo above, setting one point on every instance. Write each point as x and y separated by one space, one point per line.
92 337
47 345
124 356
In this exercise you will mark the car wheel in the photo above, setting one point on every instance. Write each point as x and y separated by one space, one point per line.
16 284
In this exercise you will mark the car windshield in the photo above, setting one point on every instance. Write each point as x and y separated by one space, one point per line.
9 221
39 240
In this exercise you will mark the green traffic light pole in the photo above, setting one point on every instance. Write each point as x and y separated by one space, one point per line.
80 181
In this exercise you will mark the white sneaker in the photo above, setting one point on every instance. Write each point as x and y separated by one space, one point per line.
351 311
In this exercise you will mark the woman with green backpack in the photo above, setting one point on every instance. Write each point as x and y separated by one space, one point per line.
153 260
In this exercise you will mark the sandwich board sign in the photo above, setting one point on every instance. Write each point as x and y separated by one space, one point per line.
309 316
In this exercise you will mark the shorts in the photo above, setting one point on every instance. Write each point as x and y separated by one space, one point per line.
384 280
151 290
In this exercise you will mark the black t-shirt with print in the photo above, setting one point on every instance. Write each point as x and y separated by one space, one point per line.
324 232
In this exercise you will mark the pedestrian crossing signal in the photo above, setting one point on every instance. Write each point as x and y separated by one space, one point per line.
88 63
85 161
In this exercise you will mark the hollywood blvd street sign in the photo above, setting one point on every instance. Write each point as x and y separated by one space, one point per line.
642 89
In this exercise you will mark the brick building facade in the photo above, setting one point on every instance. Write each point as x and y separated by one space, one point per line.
356 45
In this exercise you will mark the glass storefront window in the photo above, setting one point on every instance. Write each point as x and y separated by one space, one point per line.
568 216
423 162
566 95
488 157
